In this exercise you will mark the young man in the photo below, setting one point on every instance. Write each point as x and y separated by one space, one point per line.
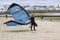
33 24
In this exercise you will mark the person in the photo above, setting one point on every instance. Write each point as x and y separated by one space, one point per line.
41 17
6 16
33 23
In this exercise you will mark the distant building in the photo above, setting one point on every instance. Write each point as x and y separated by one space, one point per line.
32 8
35 7
51 8
58 7
40 7
28 7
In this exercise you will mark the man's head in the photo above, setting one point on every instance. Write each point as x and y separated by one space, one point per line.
32 15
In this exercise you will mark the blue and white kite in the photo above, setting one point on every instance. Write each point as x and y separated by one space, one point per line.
20 15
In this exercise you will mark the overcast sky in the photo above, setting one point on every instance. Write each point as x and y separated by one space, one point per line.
31 2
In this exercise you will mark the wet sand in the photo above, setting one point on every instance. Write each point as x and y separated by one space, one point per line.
46 30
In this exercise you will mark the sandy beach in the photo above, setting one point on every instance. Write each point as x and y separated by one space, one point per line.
46 30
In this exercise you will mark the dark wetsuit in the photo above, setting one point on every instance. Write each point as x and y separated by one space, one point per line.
32 23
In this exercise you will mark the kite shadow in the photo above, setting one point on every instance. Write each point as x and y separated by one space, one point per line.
18 31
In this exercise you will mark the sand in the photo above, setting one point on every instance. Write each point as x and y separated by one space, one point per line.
46 30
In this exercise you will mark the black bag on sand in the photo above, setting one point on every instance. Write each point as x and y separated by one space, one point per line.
36 24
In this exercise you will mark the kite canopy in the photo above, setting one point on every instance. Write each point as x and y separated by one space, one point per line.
20 15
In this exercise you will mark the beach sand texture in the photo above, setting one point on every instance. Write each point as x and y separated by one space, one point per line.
46 30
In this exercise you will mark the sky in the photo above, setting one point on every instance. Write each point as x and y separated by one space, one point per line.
31 2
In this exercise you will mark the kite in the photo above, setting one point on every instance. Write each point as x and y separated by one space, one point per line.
19 14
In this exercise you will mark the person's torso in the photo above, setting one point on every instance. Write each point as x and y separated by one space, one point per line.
32 19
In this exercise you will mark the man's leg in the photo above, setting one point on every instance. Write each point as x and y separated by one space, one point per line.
34 28
31 27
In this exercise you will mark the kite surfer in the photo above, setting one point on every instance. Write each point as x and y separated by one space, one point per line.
33 23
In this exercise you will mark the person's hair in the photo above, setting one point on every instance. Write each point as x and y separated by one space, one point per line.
32 14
